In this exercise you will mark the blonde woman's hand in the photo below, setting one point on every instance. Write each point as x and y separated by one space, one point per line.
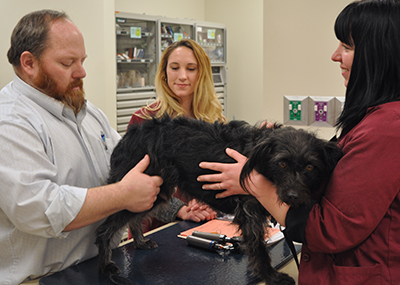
197 212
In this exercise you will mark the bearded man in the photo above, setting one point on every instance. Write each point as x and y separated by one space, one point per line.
55 150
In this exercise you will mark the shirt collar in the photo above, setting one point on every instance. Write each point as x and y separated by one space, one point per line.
53 106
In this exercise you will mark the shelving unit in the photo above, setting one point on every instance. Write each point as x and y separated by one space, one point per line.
136 58
212 37
172 30
140 42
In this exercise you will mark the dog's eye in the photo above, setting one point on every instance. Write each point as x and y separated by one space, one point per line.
310 167
282 164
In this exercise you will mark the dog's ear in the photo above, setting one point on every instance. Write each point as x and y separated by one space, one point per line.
331 154
257 160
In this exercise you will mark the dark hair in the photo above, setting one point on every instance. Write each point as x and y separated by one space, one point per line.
31 33
372 28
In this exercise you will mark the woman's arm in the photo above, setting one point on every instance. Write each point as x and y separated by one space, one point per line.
258 185
265 192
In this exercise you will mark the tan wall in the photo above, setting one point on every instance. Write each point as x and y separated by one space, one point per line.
298 43
244 20
189 9
276 48
95 18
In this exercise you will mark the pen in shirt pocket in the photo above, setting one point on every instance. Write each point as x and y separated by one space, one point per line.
103 138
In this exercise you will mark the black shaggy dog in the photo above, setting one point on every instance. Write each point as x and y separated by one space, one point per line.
294 160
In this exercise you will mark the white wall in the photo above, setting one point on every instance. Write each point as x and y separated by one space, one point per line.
189 9
244 20
276 48
298 43
95 18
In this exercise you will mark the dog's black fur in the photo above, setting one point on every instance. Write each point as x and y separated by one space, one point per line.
294 160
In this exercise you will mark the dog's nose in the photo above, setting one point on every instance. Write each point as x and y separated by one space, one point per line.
293 194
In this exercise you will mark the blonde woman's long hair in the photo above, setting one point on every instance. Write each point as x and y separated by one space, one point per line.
205 104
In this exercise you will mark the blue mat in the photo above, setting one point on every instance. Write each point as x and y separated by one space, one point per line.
172 263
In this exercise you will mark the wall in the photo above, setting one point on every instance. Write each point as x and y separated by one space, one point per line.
189 9
244 43
95 19
298 43
244 20
276 48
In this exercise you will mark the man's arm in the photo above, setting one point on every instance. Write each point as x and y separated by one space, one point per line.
136 192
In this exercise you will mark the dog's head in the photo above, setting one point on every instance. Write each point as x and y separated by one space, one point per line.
295 161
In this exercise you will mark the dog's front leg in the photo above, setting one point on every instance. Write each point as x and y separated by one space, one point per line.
252 219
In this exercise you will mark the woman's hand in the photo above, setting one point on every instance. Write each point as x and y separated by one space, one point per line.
265 192
228 178
266 124
196 211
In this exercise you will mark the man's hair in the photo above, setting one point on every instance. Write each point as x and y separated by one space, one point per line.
31 34
372 29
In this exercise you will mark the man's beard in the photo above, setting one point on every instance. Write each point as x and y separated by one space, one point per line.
74 99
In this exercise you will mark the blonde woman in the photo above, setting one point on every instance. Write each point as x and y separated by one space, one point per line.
184 87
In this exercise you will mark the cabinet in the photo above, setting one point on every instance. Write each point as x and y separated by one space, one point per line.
172 30
140 42
136 47
212 37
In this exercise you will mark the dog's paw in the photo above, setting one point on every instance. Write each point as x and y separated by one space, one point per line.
283 279
147 244
111 269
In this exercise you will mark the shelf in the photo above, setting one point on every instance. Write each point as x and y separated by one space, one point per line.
166 36
127 33
140 43
169 36
131 89
135 60
210 44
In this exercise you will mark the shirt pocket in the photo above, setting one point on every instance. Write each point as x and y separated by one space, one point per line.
371 275
107 147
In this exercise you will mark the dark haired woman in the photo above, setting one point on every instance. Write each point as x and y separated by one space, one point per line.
351 234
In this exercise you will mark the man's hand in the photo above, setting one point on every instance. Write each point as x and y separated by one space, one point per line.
140 189
136 192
